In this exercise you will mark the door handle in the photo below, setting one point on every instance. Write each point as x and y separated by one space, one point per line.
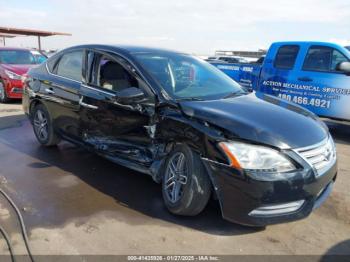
305 79
49 91
87 105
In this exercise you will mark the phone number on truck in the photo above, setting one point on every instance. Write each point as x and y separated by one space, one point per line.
302 100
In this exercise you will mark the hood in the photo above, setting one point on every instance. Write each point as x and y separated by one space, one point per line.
18 69
262 119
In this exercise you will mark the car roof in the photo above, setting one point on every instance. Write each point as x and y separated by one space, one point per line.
311 43
126 49
308 43
13 49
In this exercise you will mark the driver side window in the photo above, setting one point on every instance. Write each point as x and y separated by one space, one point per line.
323 59
108 74
337 59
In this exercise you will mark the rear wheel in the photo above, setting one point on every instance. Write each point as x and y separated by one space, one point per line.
3 95
186 186
42 126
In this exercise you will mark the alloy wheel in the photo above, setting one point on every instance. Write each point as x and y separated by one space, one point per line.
176 177
40 125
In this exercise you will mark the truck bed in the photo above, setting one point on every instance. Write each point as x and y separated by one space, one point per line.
245 74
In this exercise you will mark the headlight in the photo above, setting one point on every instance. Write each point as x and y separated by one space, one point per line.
13 75
257 159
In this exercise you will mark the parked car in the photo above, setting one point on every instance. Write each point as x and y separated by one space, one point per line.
229 59
39 56
14 63
49 53
315 75
260 60
189 126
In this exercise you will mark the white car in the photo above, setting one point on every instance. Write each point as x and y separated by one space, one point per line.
39 57
229 59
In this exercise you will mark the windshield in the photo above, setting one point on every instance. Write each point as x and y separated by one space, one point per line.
39 58
17 57
187 77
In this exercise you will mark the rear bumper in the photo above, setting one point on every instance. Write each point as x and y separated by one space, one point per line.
13 88
240 195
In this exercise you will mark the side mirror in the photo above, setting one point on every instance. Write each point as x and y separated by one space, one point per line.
344 67
130 94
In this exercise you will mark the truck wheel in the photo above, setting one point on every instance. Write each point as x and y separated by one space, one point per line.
186 186
3 95
42 126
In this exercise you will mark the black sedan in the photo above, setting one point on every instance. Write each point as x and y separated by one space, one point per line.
189 126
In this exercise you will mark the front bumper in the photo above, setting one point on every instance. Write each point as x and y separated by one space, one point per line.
14 88
239 194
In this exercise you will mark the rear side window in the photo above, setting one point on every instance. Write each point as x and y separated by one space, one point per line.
51 62
323 58
286 56
70 65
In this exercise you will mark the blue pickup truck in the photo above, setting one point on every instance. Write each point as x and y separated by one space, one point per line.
315 75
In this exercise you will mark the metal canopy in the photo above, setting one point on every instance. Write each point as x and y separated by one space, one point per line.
4 36
19 31
7 36
8 32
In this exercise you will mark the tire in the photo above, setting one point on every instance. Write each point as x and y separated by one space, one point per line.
3 95
186 187
42 126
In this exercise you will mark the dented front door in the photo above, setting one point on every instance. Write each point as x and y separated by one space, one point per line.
114 129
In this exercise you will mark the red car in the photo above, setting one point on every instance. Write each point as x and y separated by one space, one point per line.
14 63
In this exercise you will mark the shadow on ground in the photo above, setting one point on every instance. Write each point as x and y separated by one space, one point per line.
339 252
340 131
11 121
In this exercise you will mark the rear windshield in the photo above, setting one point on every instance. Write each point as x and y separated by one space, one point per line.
17 57
286 56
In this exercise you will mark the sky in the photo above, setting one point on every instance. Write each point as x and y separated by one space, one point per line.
194 26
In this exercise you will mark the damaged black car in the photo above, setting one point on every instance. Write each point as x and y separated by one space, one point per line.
189 126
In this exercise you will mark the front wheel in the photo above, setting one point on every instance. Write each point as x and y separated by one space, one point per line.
3 95
186 186
42 126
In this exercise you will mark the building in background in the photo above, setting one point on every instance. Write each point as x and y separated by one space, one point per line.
248 54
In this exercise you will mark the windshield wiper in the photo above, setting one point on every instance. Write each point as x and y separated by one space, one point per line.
234 94
190 99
